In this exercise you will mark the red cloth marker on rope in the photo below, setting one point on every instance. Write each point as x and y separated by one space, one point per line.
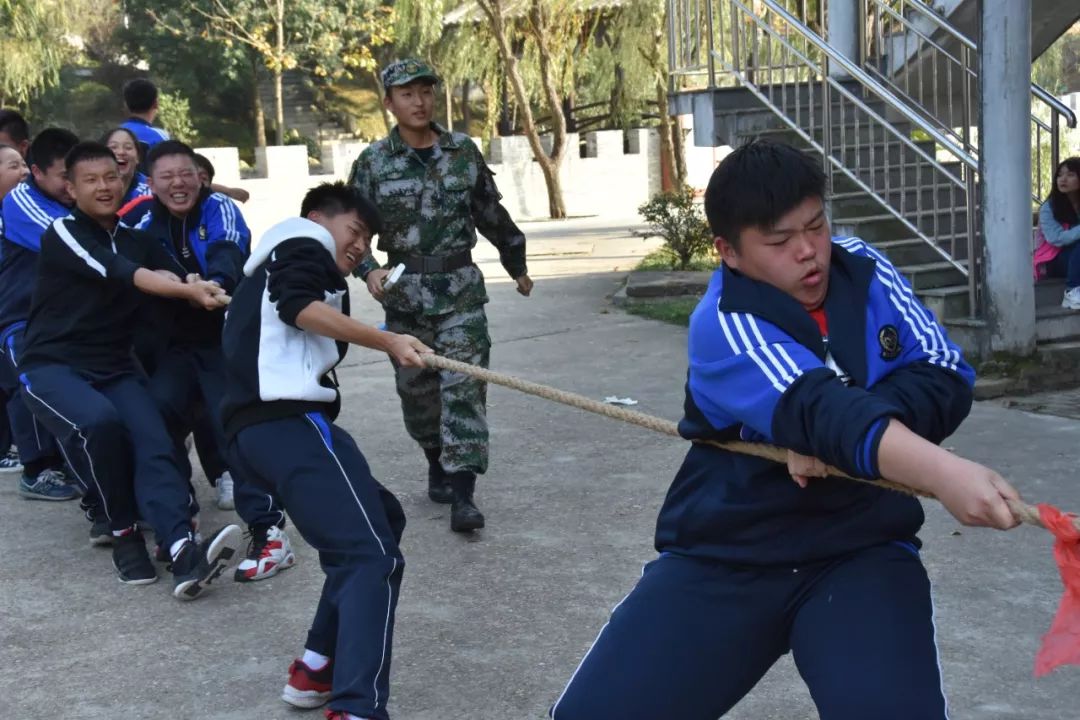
1061 645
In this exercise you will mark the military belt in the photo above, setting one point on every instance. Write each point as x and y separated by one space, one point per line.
425 264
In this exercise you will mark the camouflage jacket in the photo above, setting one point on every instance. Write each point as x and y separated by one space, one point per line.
436 209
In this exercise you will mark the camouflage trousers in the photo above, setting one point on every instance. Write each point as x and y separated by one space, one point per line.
444 409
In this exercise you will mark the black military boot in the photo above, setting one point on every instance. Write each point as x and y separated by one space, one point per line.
438 482
464 515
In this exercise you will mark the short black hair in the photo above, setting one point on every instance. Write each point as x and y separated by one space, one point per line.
338 197
50 145
756 184
140 95
14 125
205 165
85 152
168 147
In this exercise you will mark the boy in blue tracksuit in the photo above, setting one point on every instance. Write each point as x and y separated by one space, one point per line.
207 235
819 345
28 211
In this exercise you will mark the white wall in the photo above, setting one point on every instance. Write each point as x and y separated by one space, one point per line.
606 182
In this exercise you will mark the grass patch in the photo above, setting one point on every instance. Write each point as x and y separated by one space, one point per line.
675 310
663 260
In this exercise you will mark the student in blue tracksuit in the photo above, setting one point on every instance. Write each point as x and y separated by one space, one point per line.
819 345
28 211
141 101
13 170
207 235
82 382
288 327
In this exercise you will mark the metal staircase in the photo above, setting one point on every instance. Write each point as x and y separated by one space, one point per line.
893 128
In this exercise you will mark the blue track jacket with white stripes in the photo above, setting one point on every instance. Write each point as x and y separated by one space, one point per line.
758 372
212 240
28 212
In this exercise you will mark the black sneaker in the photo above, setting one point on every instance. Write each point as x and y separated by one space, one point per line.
131 561
100 534
197 565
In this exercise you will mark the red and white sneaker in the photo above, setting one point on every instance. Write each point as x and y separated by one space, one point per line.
268 552
307 688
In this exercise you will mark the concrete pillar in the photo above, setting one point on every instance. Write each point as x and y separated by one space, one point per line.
1005 157
842 26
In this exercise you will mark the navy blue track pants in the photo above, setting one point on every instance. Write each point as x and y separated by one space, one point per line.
694 637
354 523
115 442
34 442
181 378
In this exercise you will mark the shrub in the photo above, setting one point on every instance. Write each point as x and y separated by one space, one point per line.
674 217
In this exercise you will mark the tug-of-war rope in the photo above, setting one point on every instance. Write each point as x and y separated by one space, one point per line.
1061 645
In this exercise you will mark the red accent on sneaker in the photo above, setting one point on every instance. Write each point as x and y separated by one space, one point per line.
308 688
302 677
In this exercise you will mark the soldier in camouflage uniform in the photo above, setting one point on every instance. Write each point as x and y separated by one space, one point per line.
434 192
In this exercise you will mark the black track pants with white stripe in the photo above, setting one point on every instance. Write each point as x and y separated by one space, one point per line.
322 479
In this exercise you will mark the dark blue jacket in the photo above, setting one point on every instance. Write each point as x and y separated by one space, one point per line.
212 240
27 213
758 372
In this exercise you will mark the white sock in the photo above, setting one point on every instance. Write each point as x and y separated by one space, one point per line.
314 660
174 549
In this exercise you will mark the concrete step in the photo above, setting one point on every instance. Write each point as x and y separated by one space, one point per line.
859 202
883 227
1048 293
933 275
946 302
1056 323
907 251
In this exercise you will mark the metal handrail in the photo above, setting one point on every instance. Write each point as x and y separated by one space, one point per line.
1037 90
870 83
930 46
778 58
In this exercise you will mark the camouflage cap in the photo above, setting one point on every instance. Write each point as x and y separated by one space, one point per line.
403 72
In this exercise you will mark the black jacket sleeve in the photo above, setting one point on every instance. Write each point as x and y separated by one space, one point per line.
821 417
932 400
301 272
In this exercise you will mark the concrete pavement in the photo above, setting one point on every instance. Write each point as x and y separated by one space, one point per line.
491 627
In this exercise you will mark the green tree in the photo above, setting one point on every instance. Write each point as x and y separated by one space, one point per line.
33 47
548 31
327 39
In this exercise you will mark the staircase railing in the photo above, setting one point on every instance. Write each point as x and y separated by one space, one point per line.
840 110
915 52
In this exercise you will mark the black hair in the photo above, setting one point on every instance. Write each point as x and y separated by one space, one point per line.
50 145
130 134
140 95
14 125
168 147
338 197
1060 205
205 165
757 184
85 152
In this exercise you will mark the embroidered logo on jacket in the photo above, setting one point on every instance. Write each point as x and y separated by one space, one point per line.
889 340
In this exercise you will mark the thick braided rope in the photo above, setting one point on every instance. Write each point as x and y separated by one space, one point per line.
1021 511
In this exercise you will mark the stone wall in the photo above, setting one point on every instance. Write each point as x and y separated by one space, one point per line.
606 173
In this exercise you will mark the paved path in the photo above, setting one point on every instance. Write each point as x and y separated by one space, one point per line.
491 627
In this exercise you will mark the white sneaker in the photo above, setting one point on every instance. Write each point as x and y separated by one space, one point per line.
9 461
224 486
268 552
1071 301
